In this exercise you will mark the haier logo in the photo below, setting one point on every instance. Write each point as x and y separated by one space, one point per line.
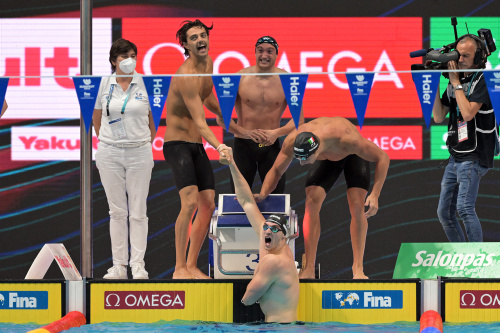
294 90
362 299
157 92
426 89
24 300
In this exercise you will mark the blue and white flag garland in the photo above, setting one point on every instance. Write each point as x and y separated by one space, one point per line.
294 86
157 89
226 87
493 83
427 84
4 82
87 89
360 85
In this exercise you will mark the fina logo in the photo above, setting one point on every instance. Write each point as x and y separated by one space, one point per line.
362 299
226 79
87 81
496 74
360 77
351 298
2 300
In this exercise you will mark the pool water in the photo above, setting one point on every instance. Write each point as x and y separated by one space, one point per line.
179 326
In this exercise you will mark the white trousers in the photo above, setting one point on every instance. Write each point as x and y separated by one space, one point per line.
125 175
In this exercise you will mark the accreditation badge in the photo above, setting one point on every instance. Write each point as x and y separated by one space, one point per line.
117 128
462 131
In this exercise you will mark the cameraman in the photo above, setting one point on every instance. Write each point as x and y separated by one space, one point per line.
471 140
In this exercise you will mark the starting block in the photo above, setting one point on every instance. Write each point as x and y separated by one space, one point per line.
235 244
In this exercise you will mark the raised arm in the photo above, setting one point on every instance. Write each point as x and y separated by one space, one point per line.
245 196
439 111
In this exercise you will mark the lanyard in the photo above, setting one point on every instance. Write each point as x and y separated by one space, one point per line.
111 95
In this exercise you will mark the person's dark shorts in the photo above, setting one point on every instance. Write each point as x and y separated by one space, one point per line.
325 173
190 165
251 157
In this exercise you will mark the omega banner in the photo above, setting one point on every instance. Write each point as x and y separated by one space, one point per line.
430 260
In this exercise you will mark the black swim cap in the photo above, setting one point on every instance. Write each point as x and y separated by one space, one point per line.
305 145
280 220
267 39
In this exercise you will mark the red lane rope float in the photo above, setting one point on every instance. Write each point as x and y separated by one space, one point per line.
72 319
431 322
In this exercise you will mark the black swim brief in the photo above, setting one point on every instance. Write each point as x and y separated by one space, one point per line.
251 157
190 165
325 173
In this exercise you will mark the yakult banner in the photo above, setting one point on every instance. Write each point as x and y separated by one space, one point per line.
157 88
29 48
430 260
87 90
493 84
227 90
350 45
294 87
427 85
360 86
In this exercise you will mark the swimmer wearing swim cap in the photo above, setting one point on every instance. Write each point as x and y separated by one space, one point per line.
333 146
275 284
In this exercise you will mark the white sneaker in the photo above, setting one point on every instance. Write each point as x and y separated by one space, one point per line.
138 272
117 272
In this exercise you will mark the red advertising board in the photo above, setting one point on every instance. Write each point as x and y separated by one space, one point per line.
309 45
399 142
479 299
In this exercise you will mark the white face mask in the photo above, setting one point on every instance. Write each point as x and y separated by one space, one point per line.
127 66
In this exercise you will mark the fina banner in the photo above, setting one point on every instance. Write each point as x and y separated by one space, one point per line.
360 86
464 260
157 88
226 88
4 82
87 89
427 85
493 83
294 86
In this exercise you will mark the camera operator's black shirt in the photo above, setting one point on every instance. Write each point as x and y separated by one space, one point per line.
481 130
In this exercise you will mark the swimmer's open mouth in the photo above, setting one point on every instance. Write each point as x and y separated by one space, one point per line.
202 47
268 240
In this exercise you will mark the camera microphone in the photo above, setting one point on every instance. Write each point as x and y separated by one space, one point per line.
418 53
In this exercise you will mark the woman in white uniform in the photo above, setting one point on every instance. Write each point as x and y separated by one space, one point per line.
124 125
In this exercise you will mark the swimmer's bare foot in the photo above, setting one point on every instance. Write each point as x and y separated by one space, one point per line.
306 273
197 273
357 274
182 273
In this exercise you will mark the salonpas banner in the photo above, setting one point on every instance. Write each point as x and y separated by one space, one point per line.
430 260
